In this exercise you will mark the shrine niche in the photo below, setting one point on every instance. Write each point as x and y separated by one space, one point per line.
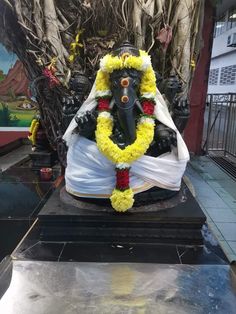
112 88
123 140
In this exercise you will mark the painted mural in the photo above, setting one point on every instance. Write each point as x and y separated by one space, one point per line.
16 106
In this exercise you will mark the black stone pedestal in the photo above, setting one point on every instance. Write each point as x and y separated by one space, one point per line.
178 224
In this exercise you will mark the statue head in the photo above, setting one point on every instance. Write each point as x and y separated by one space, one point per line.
125 47
123 75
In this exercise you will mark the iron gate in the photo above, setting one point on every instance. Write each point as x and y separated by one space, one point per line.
220 124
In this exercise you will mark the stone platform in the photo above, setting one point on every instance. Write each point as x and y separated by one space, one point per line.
69 288
176 221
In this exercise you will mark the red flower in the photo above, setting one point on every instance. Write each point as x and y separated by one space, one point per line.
122 179
103 104
53 80
148 107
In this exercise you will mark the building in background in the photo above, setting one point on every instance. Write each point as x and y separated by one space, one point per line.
222 76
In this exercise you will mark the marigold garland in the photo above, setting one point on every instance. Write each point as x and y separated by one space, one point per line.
110 63
121 201
145 134
122 197
33 131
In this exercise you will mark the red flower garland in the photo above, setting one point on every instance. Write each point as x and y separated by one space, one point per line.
53 80
103 104
148 107
122 179
122 174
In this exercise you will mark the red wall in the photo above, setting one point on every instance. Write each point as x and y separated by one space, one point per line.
8 137
194 130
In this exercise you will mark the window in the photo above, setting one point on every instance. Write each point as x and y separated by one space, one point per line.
228 75
232 19
220 26
213 76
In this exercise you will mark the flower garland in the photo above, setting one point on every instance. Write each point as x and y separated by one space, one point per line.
33 132
110 63
145 133
75 47
122 197
50 72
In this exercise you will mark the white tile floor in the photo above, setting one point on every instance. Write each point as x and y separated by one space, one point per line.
216 193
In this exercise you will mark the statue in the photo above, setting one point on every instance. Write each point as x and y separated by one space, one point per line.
123 141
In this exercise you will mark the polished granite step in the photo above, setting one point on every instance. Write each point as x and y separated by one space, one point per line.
176 221
33 248
50 287
22 195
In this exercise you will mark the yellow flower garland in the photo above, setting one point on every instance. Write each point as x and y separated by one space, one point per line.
123 200
33 131
142 63
145 134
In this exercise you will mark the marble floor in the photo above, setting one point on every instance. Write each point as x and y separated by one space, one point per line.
215 192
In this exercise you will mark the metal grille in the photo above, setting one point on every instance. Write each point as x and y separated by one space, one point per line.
228 75
227 165
220 124
213 76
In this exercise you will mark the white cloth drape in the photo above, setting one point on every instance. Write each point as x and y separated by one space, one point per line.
90 174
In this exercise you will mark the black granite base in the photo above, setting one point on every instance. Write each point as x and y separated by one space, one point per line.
179 224
22 195
32 248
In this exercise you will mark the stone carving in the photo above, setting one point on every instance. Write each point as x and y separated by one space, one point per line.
123 140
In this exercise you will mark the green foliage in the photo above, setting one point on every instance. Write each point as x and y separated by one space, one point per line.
6 117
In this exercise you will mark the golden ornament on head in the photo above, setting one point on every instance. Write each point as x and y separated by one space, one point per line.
125 55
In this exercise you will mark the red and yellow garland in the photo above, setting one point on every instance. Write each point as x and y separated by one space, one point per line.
122 197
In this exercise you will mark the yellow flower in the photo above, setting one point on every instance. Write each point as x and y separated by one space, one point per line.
71 58
33 131
110 63
102 82
121 201
148 82
74 47
193 64
133 62
145 134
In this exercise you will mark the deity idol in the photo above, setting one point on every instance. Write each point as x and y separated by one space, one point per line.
123 141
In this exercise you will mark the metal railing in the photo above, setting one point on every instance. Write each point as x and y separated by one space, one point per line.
220 124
